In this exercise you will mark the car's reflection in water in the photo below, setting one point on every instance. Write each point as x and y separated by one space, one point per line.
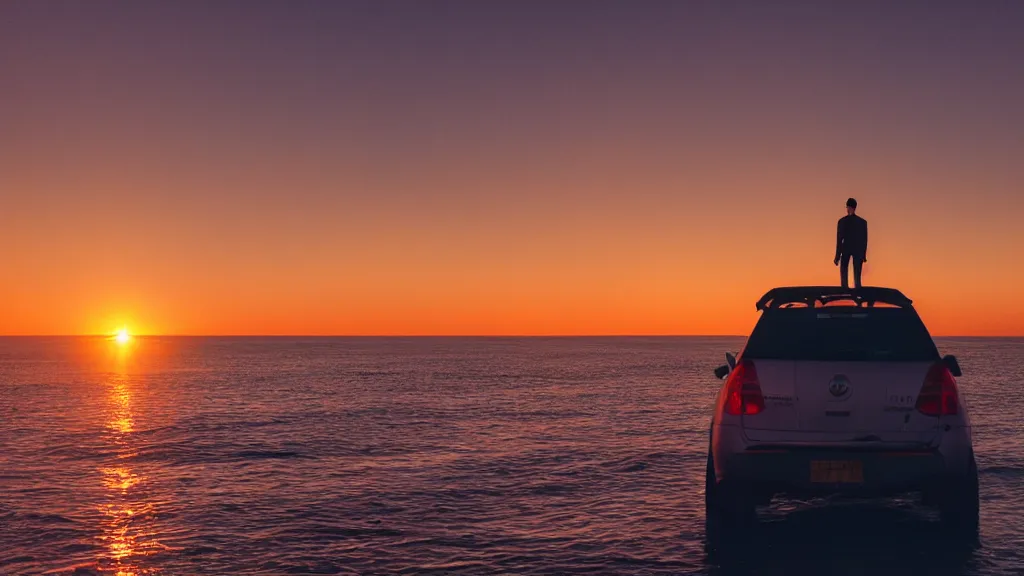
849 538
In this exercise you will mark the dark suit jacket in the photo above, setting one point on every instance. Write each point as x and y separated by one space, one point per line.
852 236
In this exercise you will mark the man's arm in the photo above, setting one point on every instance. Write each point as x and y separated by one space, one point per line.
839 240
865 240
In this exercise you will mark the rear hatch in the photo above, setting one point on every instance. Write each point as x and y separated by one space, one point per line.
841 374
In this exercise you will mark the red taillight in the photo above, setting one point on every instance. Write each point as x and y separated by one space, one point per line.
743 391
938 396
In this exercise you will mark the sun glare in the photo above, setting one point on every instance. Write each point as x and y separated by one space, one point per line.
122 336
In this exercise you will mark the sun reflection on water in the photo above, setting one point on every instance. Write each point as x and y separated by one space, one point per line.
127 531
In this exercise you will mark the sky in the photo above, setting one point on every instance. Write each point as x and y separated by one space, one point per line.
375 168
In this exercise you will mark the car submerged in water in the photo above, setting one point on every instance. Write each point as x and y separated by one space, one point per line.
838 391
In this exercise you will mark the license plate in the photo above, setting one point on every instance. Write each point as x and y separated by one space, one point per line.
837 471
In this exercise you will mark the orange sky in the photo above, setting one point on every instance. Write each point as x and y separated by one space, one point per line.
241 183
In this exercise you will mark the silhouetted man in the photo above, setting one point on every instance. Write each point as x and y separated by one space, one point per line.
851 242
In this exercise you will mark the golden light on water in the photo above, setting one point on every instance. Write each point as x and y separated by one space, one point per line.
126 527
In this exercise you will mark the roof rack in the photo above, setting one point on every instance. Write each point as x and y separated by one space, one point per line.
809 295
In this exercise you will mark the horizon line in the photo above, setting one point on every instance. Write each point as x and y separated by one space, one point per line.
444 336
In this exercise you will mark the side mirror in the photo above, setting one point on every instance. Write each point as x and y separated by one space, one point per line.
730 360
954 367
721 372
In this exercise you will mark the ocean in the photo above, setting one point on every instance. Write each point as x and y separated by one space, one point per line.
182 456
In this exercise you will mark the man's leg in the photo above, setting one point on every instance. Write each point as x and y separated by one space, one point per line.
844 270
858 265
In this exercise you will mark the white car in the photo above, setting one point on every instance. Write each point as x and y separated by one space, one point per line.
838 391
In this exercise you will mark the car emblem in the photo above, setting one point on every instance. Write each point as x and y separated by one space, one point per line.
839 387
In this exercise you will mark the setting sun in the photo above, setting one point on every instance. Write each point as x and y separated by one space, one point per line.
122 336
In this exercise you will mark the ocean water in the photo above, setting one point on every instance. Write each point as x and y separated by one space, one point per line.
433 456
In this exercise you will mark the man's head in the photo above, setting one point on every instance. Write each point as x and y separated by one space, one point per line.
851 206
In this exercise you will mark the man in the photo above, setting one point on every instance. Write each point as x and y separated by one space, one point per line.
851 242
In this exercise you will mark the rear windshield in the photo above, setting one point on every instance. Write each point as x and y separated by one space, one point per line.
836 334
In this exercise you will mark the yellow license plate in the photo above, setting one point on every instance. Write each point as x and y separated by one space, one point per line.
837 471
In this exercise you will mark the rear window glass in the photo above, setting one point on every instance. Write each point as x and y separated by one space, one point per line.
835 334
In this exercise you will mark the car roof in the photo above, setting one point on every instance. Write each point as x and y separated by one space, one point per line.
812 295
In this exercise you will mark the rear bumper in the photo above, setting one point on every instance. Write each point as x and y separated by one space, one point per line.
817 470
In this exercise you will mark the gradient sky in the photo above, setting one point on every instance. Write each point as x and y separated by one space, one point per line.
501 168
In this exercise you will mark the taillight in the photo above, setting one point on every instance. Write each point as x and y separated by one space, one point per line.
938 396
743 391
